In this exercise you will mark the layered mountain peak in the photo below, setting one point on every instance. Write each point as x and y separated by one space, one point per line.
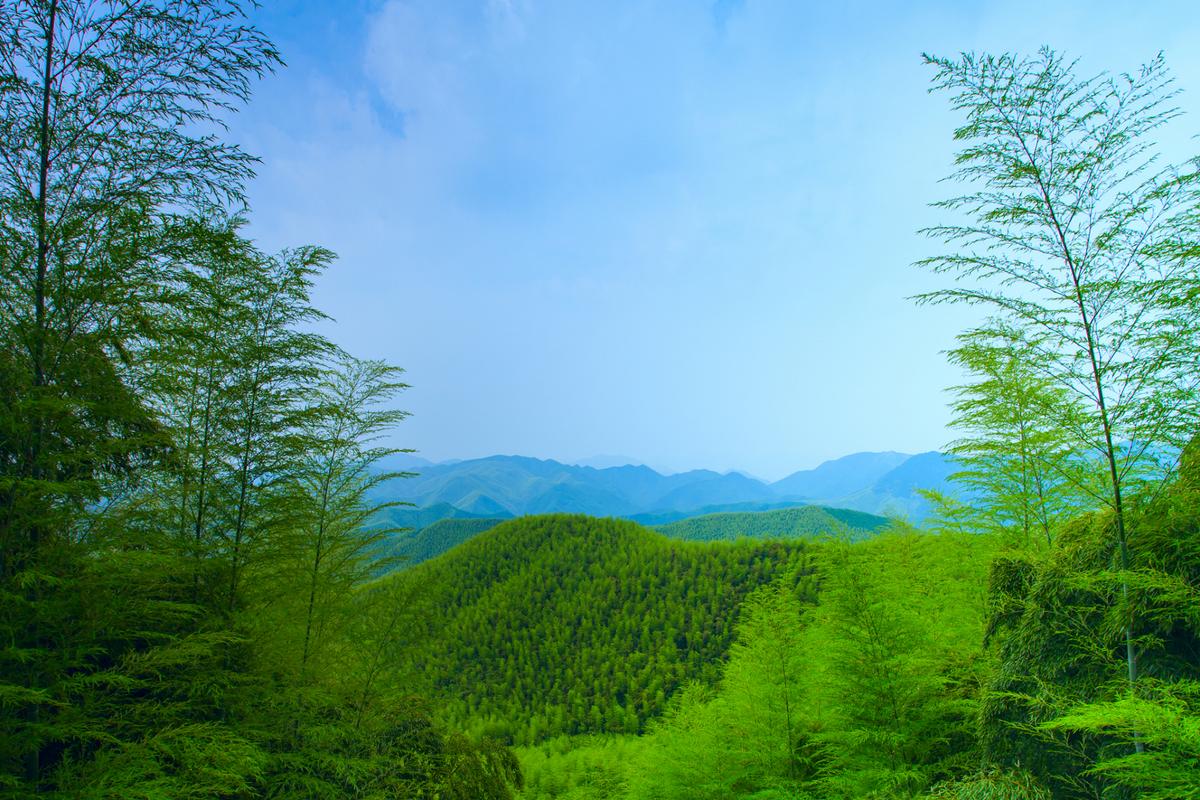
513 486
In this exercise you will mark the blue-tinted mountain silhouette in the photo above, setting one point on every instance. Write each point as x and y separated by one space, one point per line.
510 486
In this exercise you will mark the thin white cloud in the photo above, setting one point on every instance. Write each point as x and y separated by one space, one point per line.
613 227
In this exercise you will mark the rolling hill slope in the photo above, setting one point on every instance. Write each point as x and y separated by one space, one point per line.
656 518
789 522
575 624
804 522
433 540
415 519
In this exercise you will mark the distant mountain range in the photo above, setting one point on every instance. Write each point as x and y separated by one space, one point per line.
515 486
793 522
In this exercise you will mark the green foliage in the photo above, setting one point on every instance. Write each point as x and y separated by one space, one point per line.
334 545
751 737
192 593
1167 721
434 539
991 785
130 680
327 751
1058 704
570 624
684 754
897 631
805 522
1014 458
182 460
106 120
1083 245
868 693
578 768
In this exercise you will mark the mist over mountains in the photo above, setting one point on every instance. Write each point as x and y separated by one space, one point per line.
511 486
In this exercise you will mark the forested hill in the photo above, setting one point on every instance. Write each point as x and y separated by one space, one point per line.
795 522
414 547
785 523
571 624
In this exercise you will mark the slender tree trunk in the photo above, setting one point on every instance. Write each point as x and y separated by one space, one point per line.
263 326
1043 512
1110 452
41 324
43 233
201 489
318 555
787 713
1026 470
1131 666
185 485
243 494
312 601
195 379
375 666
35 467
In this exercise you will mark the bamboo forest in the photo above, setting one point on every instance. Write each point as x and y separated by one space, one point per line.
225 573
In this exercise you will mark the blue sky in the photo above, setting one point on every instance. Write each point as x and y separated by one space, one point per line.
681 231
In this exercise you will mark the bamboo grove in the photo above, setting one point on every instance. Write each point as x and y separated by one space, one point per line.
184 463
199 594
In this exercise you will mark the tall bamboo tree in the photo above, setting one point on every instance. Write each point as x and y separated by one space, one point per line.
278 358
1070 229
106 113
229 376
106 110
338 542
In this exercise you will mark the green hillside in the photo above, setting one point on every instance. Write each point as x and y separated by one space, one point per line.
804 522
414 519
418 546
654 519
571 624
797 522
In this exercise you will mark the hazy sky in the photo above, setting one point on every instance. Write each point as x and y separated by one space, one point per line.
677 230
